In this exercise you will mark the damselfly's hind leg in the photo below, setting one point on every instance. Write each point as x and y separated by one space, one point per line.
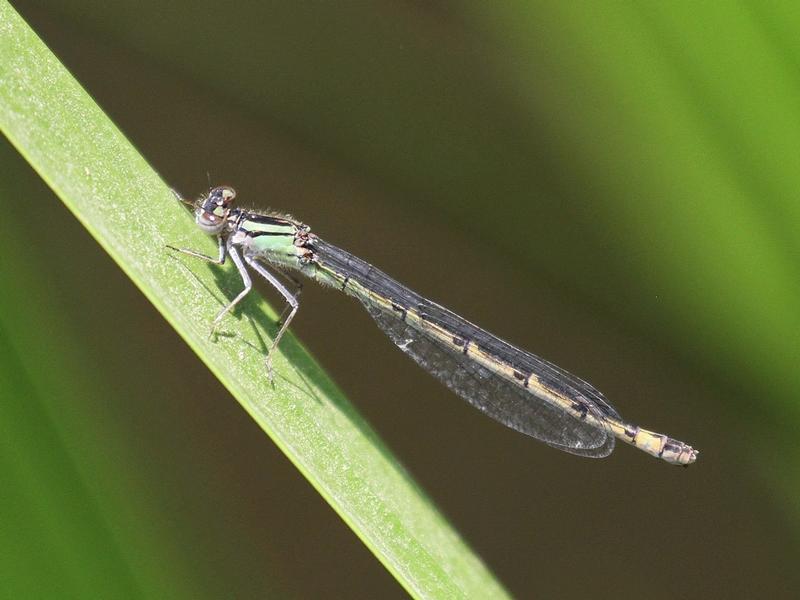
291 301
298 289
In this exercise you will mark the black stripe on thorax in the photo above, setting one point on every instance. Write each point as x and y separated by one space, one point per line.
258 233
266 219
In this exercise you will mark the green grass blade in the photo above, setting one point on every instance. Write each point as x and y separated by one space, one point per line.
43 553
129 210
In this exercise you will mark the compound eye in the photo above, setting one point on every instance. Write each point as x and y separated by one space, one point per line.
211 213
222 195
228 194
209 222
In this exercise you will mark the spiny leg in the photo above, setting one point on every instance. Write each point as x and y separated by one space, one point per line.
248 285
298 289
291 301
220 260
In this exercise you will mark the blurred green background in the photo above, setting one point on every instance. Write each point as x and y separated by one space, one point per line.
612 186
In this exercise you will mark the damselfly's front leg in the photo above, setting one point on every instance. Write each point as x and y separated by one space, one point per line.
224 250
291 301
220 260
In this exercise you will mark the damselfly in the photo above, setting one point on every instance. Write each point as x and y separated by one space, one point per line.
512 386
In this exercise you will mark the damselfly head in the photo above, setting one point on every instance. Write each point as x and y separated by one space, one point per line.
211 212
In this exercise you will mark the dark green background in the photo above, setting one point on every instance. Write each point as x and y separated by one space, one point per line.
611 186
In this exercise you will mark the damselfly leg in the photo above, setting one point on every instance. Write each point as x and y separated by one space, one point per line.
291 298
220 260
291 301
